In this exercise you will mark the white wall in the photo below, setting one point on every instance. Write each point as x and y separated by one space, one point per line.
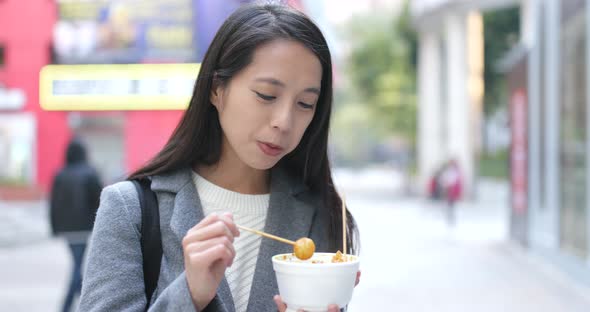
459 117
429 102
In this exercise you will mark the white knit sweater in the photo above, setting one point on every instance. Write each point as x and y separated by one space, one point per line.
249 211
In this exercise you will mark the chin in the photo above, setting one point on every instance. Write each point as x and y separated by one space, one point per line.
260 164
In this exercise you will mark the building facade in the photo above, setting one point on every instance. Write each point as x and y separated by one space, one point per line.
35 33
547 77
559 150
450 84
28 135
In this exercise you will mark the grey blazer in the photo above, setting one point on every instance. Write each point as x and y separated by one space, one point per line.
113 280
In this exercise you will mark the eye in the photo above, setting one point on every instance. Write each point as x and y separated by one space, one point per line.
265 97
305 105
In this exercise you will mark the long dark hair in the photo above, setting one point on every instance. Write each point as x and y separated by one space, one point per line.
197 138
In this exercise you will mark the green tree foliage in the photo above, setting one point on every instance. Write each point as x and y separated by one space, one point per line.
501 32
382 73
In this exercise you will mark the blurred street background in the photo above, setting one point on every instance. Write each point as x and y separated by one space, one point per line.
459 136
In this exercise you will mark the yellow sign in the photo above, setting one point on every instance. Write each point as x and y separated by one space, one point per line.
117 87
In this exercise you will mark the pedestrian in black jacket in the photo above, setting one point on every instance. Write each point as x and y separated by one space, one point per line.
75 196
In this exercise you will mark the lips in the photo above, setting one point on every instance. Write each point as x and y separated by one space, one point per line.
270 149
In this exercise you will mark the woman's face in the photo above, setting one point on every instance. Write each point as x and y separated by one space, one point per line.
265 108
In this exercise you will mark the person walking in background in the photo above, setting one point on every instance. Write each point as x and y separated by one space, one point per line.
452 185
434 185
75 196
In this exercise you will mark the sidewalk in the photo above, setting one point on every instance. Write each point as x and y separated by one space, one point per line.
412 261
23 222
34 267
33 277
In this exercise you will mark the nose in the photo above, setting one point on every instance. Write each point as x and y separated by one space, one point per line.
282 117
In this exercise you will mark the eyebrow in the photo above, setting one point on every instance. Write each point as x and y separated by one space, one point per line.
279 83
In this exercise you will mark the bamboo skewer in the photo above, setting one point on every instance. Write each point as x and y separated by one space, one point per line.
280 239
343 224
303 248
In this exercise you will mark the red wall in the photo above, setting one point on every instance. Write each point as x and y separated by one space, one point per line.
25 32
146 133
26 28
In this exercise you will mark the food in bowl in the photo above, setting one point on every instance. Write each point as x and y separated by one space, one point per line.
315 283
304 248
338 257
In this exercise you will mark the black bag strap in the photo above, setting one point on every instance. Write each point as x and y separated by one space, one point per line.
151 240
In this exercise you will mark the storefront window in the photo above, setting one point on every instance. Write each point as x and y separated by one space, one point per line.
17 143
542 106
104 134
573 132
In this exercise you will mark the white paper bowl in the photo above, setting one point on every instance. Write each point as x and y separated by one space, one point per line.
314 286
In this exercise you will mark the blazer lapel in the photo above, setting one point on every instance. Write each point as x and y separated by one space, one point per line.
287 217
187 212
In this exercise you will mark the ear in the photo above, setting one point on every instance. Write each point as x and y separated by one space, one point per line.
215 97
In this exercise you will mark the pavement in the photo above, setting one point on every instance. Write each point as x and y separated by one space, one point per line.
411 260
34 267
23 223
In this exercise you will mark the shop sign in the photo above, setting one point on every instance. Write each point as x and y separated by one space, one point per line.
117 87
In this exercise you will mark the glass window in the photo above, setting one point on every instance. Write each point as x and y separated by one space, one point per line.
573 129
542 109
17 142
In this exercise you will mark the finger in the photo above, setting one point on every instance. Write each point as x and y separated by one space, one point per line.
200 246
333 308
208 256
228 218
358 278
279 302
215 229
213 217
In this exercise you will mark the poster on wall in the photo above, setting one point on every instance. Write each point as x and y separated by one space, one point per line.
125 31
518 150
17 149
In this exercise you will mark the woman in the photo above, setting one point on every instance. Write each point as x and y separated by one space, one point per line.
250 150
